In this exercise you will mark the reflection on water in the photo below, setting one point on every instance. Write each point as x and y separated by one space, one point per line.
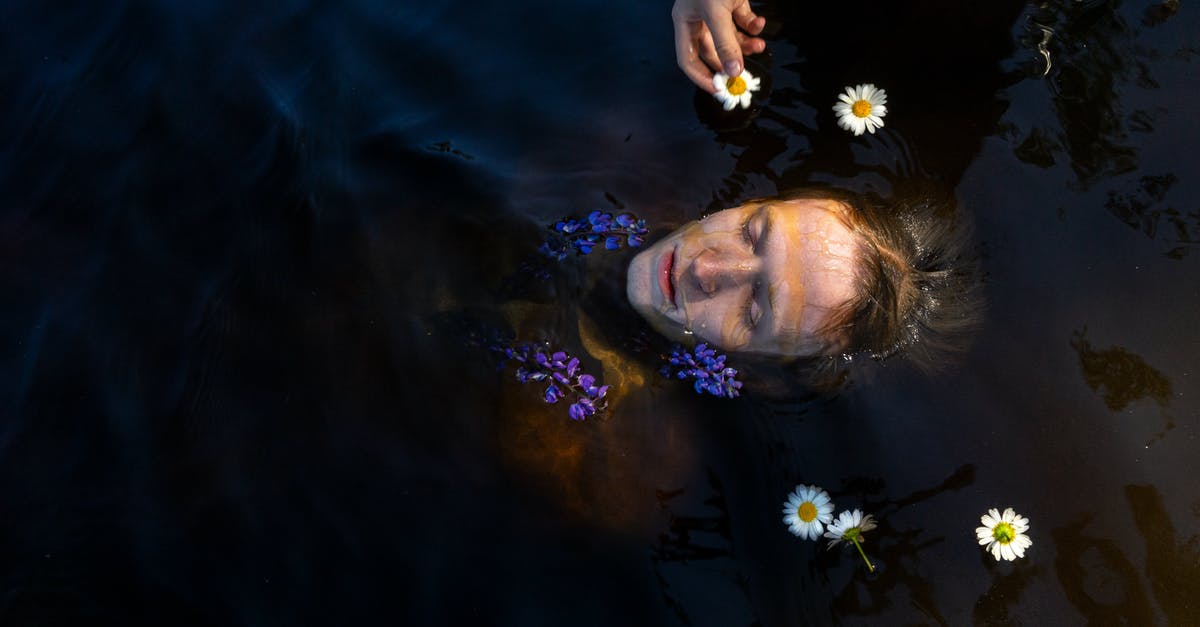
1172 562
1119 376
995 607
1122 378
1102 582
1098 578
1147 210
1099 58
899 551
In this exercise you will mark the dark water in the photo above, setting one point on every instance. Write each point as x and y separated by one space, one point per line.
238 248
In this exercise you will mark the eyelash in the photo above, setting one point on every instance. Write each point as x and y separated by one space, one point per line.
748 308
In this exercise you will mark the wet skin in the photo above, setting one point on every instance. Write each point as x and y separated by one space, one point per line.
762 277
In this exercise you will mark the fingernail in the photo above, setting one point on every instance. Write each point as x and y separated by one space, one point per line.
733 68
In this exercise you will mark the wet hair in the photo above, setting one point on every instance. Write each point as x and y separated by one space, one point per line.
917 290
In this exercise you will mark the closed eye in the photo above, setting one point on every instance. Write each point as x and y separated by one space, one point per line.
754 233
751 312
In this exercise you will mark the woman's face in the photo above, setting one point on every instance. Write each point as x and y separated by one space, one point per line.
762 277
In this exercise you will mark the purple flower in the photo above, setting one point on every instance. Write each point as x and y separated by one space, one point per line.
706 367
553 393
563 375
567 226
581 409
585 235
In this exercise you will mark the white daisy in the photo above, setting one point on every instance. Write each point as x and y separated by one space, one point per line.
807 510
850 526
1004 534
861 108
736 90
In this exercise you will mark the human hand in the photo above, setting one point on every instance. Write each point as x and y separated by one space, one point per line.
707 40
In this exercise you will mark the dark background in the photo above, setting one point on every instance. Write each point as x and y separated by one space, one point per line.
235 243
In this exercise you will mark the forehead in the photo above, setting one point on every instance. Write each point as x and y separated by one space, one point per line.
809 269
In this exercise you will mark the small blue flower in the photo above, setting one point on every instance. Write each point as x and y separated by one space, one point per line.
581 409
562 373
567 226
708 369
601 220
584 236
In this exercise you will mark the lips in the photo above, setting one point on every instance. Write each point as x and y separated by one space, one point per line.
665 267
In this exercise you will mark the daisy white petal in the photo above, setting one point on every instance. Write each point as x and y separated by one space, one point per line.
861 108
850 527
732 91
1006 551
807 511
1004 534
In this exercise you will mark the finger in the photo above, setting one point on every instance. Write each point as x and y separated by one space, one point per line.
751 45
708 52
687 56
724 35
746 19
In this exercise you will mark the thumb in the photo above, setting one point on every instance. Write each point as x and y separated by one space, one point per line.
724 34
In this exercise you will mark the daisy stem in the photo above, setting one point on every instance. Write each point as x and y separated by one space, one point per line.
864 555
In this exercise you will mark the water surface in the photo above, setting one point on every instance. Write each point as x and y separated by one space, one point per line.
238 247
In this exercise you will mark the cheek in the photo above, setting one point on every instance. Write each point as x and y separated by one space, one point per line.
718 323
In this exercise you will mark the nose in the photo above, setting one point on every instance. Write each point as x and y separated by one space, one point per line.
715 271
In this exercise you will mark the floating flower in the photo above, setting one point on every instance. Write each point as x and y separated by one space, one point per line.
600 226
704 365
734 91
861 108
1004 534
850 526
806 510
561 373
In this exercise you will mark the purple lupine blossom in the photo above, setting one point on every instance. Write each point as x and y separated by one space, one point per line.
560 371
600 227
704 365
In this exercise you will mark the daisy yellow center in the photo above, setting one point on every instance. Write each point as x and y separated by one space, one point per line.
807 511
861 108
1003 532
736 85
